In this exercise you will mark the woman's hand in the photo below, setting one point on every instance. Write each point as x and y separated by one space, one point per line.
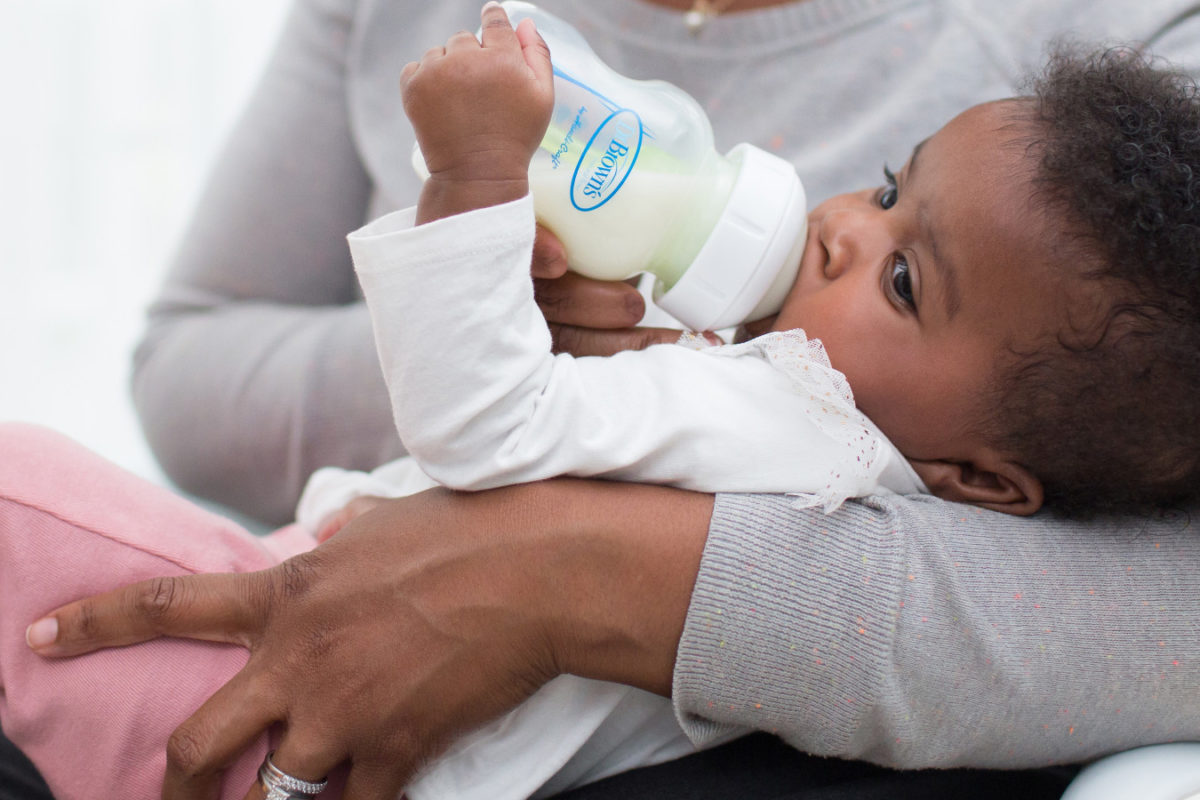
423 618
588 317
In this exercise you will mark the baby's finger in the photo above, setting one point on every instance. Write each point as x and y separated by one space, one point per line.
496 30
332 525
535 51
463 40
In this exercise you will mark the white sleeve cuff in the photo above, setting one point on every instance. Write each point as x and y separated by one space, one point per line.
373 246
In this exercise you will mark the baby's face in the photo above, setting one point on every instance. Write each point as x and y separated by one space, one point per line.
917 288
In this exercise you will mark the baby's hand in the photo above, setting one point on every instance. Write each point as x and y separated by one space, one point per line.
480 109
339 519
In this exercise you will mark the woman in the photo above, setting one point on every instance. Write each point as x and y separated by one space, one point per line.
260 310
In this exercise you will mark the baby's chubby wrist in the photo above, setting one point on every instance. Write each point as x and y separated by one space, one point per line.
479 107
481 158
444 196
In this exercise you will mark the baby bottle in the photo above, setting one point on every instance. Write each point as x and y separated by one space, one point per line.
628 178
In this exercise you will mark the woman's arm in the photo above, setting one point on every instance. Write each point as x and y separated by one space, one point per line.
909 632
419 620
914 632
256 334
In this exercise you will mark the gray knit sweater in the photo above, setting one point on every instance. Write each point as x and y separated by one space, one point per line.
906 631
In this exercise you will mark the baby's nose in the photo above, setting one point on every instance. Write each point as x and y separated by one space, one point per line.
850 237
837 237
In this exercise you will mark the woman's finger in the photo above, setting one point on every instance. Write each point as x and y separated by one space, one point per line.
584 302
599 342
203 747
549 255
374 781
218 608
299 757
758 327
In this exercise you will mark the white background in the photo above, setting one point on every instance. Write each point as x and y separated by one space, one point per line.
112 112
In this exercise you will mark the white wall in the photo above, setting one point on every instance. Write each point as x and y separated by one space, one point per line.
111 112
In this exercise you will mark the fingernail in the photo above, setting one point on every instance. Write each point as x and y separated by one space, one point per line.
635 306
490 4
42 633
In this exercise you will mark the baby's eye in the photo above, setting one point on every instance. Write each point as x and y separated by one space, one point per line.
902 280
890 193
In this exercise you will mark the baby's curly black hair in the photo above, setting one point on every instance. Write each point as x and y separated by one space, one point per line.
1108 418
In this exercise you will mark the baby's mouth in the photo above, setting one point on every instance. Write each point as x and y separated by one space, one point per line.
813 258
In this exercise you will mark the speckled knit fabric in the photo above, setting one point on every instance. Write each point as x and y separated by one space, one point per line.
922 633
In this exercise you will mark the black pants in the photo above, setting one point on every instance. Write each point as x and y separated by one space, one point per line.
758 767
18 779
761 767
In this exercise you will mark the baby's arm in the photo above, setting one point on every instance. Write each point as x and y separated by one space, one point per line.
479 108
479 400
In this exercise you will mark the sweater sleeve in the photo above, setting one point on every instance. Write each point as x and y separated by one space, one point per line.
257 365
913 632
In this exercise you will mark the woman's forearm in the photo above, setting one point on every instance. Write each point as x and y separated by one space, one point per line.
241 376
422 619
626 558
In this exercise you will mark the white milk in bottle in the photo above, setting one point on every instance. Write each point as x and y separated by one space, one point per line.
628 178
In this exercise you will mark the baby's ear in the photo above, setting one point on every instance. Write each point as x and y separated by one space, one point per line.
991 482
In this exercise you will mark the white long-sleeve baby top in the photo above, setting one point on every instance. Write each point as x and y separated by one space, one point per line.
480 401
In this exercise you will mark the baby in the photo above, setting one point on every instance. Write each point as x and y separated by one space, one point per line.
1010 320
